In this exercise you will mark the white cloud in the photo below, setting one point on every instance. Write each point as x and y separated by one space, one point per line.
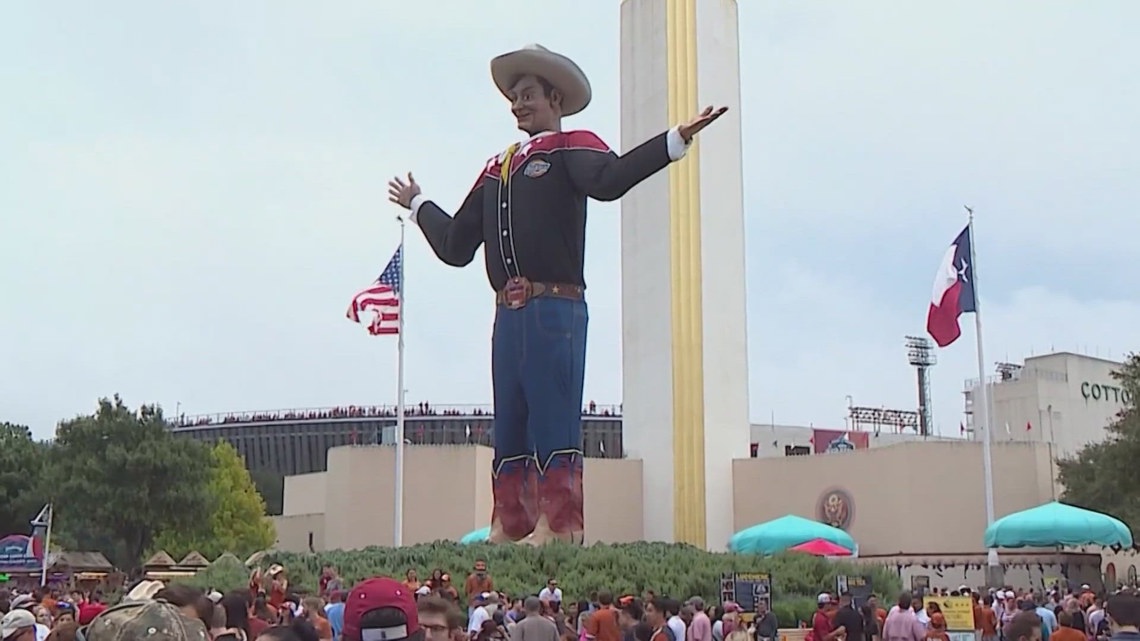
192 223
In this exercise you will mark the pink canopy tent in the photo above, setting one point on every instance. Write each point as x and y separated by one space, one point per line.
821 547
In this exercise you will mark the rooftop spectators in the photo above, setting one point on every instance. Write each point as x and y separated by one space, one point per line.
361 411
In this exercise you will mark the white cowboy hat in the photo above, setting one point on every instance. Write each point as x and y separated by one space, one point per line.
536 60
144 591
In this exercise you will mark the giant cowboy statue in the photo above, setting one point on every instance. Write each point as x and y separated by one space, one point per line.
528 207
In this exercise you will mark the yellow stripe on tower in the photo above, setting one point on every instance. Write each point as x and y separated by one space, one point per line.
687 309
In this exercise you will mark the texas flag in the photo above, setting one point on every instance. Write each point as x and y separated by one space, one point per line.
953 292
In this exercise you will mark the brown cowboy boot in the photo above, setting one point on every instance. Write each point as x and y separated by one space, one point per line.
560 502
516 503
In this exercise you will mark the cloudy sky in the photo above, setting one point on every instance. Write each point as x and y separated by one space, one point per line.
192 190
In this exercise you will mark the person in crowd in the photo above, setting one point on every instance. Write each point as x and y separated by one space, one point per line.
1025 626
438 617
236 605
902 623
66 631
602 624
148 620
411 580
191 601
1122 611
848 618
656 619
299 630
730 620
631 616
871 627
334 612
18 625
822 626
381 608
486 604
534 626
937 629
478 583
700 625
880 613
765 626
551 592
314 613
1065 630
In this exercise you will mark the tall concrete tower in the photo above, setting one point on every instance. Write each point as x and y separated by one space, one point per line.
684 351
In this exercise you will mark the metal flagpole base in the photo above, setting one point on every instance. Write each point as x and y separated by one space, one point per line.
995 573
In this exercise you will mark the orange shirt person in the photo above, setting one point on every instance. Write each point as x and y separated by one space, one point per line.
989 620
602 624
477 583
937 631
1066 631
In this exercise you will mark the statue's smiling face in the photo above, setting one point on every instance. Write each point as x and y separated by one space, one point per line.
536 105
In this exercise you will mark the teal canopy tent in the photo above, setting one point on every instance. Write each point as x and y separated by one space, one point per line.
476 536
1055 524
788 531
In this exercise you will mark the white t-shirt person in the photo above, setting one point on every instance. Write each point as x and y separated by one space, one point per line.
484 611
551 593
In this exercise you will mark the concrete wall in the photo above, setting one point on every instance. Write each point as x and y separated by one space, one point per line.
920 498
447 493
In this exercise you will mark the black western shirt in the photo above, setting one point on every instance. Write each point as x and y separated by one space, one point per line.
529 204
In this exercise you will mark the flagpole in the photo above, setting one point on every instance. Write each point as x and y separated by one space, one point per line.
398 512
987 443
47 546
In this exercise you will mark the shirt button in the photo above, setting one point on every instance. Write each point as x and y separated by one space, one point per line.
504 205
506 233
509 261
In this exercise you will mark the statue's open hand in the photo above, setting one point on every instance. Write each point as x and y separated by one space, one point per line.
706 118
401 192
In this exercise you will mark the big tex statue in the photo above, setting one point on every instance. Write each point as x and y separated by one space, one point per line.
528 207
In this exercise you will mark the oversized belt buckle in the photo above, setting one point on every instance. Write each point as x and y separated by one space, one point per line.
516 293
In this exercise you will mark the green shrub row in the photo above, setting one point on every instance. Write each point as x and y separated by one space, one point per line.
677 570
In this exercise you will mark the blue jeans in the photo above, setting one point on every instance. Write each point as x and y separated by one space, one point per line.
538 365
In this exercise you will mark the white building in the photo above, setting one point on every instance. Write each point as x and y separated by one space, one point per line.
1065 399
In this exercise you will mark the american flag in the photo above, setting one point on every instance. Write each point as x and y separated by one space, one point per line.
382 298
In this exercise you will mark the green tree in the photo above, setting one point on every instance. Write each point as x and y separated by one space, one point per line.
118 477
238 522
21 478
1104 476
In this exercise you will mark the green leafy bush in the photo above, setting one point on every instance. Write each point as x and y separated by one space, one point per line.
678 570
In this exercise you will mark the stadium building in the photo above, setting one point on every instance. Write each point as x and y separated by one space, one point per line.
291 442
297 441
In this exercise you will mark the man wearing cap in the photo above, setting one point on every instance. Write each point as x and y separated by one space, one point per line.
18 625
528 207
145 621
381 609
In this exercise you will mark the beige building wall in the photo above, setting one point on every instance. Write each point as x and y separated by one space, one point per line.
917 498
300 532
304 494
447 493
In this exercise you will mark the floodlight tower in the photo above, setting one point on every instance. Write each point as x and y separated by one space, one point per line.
920 354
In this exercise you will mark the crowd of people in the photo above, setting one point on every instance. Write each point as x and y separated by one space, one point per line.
361 411
438 609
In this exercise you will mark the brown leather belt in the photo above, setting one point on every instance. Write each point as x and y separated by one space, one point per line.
519 291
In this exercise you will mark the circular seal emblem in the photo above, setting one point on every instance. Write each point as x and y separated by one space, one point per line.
836 508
